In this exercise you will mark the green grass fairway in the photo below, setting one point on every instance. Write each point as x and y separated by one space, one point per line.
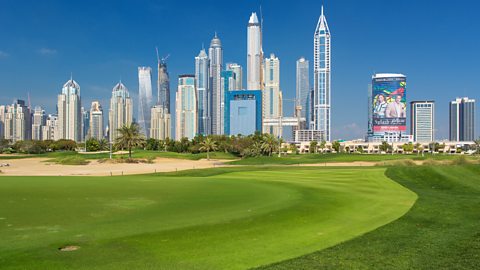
227 218
441 231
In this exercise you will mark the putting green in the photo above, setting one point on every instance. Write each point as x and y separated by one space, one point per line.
210 219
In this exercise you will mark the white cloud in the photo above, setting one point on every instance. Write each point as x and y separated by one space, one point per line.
47 51
3 54
349 131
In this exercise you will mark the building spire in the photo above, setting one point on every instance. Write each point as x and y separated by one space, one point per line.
322 11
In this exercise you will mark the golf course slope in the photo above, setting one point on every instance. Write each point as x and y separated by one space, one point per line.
226 218
441 231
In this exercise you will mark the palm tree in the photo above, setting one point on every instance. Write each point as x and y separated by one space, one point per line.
322 146
313 147
477 145
129 137
208 145
103 144
269 144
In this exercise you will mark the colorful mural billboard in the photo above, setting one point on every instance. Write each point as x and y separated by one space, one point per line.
389 104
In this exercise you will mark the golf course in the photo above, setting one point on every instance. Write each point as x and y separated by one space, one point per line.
280 217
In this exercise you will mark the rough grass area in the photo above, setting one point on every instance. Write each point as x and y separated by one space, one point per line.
227 218
327 158
69 160
441 231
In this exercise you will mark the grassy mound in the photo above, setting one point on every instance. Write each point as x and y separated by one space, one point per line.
441 231
227 218
69 160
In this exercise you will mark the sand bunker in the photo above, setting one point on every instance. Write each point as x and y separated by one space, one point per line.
38 167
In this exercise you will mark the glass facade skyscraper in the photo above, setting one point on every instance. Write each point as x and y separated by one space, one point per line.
322 78
237 70
203 95
462 119
215 55
302 85
144 98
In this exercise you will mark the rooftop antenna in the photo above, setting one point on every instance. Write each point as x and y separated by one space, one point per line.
28 97
158 57
261 19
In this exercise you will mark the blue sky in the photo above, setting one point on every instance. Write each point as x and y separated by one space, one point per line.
435 43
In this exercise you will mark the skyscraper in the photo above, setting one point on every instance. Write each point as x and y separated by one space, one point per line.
96 121
3 111
85 124
302 85
18 122
228 80
422 125
254 54
237 70
215 55
321 79
38 121
50 130
462 119
203 95
121 110
160 126
69 112
186 108
163 85
272 103
144 98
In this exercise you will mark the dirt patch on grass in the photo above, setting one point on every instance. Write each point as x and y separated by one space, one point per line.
68 248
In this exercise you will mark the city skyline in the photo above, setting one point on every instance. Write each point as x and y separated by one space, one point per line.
422 85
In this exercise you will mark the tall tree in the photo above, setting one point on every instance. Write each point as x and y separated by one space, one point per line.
269 144
129 137
208 145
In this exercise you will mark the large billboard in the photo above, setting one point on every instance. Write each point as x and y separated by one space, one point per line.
389 104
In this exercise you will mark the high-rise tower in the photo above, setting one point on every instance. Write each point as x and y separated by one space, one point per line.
322 78
302 86
121 110
203 95
69 112
96 121
462 119
254 54
144 98
186 108
237 70
163 84
272 96
215 55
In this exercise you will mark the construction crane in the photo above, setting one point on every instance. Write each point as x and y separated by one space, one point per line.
163 59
